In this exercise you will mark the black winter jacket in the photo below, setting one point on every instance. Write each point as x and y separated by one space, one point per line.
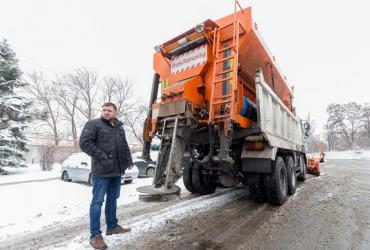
107 146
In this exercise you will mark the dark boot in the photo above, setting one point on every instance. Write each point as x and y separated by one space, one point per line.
118 230
97 242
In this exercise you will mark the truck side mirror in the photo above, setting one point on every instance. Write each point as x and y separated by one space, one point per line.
306 135
306 130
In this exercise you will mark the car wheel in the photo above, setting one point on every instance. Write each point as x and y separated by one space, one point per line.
128 181
90 180
65 176
150 172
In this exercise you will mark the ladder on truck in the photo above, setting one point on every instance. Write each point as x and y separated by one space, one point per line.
223 103
171 149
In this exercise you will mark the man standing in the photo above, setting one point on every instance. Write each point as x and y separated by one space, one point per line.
104 140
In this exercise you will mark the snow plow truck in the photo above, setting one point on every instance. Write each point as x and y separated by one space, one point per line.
224 114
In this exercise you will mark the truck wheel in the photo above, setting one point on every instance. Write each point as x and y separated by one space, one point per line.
302 175
203 184
292 175
187 174
208 184
256 187
278 183
227 180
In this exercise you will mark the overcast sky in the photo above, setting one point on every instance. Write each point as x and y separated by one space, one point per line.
323 47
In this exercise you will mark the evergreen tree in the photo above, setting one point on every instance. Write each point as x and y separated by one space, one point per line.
14 110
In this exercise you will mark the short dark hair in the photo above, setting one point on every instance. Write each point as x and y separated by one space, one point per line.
109 104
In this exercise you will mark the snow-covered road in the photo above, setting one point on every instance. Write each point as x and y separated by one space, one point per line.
54 214
29 207
145 224
326 212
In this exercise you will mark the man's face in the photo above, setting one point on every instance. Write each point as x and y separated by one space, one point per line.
108 112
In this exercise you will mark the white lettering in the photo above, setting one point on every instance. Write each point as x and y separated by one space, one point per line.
189 59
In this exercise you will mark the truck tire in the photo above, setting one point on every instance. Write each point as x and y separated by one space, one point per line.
292 175
203 184
302 174
278 183
227 180
187 174
256 187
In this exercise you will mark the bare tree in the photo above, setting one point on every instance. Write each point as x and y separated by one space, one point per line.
134 122
42 92
366 121
336 121
85 82
67 97
353 115
47 156
108 90
344 125
331 137
120 92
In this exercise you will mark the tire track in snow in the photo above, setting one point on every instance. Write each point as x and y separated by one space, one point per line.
153 221
29 181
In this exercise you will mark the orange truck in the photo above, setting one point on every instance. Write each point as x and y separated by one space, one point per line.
224 114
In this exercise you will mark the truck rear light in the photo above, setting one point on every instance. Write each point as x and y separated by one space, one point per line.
254 145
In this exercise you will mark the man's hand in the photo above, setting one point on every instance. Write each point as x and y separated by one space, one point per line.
130 167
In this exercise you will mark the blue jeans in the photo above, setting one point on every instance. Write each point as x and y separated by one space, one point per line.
101 186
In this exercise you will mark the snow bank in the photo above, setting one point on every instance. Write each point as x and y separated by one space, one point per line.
30 206
348 155
32 172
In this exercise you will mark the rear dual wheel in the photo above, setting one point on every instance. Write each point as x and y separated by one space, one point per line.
302 174
292 175
195 181
278 183
187 174
271 187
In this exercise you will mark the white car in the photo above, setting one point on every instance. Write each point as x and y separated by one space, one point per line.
154 150
78 167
